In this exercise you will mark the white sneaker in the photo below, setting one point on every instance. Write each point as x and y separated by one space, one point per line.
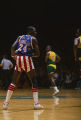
57 91
5 105
38 106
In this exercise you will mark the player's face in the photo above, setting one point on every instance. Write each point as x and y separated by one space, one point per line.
34 32
78 34
48 48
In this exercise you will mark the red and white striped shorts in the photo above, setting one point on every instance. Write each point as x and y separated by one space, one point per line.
24 62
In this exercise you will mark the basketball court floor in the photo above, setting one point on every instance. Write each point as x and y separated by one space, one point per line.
65 106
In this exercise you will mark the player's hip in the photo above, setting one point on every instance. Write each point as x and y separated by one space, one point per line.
24 62
51 68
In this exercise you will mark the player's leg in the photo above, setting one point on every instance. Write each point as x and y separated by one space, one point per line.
52 79
32 77
11 88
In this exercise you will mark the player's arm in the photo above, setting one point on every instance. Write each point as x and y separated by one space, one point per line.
13 47
58 58
35 47
11 66
1 65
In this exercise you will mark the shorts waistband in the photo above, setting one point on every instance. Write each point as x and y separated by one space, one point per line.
22 55
52 65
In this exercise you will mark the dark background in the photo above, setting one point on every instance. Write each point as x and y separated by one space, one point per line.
56 22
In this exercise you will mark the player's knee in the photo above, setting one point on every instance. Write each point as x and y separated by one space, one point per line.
35 83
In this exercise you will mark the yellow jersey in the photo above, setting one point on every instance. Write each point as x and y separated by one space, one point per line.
52 59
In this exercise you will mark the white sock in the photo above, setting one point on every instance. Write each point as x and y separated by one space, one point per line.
35 97
8 96
55 88
10 92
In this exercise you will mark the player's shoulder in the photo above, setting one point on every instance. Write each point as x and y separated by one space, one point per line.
19 37
50 52
34 38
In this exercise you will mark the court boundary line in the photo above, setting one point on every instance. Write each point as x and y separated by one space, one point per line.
43 97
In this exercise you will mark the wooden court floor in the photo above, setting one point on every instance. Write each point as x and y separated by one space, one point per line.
65 106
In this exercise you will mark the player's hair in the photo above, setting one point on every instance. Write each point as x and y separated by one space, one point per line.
30 28
49 46
78 32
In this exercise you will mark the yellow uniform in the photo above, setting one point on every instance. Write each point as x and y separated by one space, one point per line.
51 61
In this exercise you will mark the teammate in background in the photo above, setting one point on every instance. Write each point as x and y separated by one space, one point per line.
6 63
51 59
6 66
77 49
22 50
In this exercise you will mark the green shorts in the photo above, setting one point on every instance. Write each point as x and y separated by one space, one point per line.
51 69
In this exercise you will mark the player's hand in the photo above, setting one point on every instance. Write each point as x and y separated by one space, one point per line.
14 57
76 58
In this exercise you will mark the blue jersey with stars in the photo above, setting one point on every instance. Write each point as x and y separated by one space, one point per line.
25 45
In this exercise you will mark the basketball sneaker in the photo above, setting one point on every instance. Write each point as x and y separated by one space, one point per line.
38 106
5 105
56 92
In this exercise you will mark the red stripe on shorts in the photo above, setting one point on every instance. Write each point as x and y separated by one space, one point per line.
30 62
20 66
20 61
25 64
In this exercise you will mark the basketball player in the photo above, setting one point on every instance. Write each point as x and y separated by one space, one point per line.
77 49
22 50
51 59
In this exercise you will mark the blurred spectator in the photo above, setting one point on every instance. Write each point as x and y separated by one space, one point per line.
6 66
61 78
68 79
